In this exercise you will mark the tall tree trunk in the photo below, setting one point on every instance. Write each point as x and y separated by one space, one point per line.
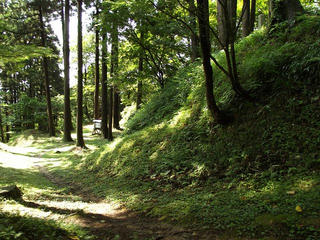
104 87
227 14
139 91
114 73
253 14
67 123
284 10
110 137
249 16
7 125
116 110
1 127
227 18
195 43
246 18
203 19
97 67
80 141
46 77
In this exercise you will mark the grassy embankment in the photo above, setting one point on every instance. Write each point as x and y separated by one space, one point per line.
256 178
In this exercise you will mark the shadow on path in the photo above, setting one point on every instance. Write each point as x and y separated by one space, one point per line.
107 221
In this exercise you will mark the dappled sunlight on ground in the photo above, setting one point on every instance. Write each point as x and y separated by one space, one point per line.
102 208
15 208
54 197
9 160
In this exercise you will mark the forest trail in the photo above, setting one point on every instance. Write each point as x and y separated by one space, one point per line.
72 204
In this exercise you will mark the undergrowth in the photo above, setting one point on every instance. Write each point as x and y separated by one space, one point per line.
28 228
256 178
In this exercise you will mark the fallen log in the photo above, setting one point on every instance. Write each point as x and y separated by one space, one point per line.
11 192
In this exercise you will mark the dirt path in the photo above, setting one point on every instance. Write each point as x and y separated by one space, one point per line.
113 221
105 220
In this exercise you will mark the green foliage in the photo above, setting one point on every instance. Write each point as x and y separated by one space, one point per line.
23 228
256 178
27 113
176 94
19 53
238 178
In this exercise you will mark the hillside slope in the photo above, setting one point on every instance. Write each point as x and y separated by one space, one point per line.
257 177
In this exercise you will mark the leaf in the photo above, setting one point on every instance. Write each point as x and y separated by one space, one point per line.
162 218
298 208
291 192
74 238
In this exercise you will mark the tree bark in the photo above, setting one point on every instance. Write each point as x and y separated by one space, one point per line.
46 77
227 18
246 18
1 127
284 10
110 137
195 43
80 141
116 110
104 87
249 16
203 20
139 91
252 14
67 123
114 73
140 69
7 125
97 67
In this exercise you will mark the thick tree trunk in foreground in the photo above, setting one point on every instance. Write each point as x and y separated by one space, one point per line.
80 141
104 87
203 19
97 68
67 123
46 77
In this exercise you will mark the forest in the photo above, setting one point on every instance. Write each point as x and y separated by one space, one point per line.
163 119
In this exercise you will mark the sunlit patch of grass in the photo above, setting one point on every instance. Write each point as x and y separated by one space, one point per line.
306 184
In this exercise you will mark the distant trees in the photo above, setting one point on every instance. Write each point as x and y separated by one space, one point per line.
46 71
29 75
